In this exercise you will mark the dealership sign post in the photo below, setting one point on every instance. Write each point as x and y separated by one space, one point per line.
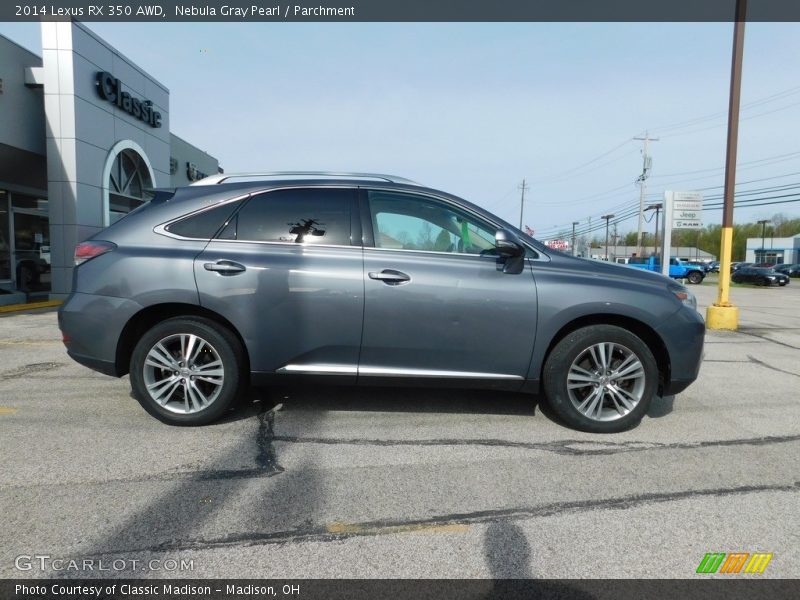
682 210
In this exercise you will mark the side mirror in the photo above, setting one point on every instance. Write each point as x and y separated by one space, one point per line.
508 244
511 249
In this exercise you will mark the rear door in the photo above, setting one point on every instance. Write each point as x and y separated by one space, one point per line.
285 273
437 302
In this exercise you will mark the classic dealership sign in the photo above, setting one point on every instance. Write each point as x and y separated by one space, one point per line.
110 88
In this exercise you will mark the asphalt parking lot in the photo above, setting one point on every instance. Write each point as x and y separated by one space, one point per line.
344 482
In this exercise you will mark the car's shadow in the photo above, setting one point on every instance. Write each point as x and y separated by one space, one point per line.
392 399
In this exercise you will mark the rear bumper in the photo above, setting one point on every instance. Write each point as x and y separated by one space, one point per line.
683 335
91 326
101 366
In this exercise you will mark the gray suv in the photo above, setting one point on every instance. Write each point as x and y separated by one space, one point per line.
365 279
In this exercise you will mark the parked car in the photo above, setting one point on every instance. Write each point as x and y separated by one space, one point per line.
677 269
738 265
366 279
713 266
759 276
790 270
699 264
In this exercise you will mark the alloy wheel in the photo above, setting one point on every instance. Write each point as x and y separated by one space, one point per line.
183 373
606 381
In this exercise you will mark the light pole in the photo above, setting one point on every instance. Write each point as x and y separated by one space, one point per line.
723 314
573 237
763 230
656 207
607 218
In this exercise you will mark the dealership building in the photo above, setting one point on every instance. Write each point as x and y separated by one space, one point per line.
785 250
84 132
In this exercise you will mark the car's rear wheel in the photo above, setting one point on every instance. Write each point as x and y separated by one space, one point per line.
695 277
187 371
601 379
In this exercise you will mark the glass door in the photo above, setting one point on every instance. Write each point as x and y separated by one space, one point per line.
31 250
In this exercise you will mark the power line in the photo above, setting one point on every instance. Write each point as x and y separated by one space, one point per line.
581 166
765 100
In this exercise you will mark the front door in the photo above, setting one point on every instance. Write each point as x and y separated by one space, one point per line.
284 273
31 250
437 303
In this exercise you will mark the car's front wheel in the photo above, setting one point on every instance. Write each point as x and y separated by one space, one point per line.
601 379
187 371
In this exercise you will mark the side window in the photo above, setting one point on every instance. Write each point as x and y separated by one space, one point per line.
412 222
301 216
205 224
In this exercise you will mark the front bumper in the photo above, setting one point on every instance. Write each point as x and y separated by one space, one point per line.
683 335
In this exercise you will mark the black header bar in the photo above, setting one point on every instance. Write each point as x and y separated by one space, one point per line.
397 10
732 588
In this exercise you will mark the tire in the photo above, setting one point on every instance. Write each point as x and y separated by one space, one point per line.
695 277
200 390
608 414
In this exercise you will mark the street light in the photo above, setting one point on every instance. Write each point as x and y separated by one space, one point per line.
607 218
763 230
656 207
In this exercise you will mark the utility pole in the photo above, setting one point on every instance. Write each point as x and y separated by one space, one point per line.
723 314
573 237
615 236
607 218
647 162
523 187
657 208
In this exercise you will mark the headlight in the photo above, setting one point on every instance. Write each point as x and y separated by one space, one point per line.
683 295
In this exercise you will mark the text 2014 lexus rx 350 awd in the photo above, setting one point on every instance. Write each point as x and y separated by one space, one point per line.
366 280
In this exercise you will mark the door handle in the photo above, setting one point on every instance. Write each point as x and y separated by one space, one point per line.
225 267
390 277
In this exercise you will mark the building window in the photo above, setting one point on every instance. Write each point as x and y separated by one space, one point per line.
127 182
5 237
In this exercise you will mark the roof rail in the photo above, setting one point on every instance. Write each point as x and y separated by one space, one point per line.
223 177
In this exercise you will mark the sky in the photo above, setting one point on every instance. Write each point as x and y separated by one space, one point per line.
473 109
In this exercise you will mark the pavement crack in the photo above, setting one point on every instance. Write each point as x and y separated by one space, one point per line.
563 447
763 337
266 458
267 464
30 369
753 359
325 533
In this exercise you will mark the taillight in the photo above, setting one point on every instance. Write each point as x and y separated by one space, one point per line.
88 250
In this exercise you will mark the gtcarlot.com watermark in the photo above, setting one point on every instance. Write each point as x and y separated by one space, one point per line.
45 562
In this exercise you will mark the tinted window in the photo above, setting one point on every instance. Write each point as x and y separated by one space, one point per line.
204 224
411 222
309 216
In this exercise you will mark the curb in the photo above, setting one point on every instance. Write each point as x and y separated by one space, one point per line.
30 305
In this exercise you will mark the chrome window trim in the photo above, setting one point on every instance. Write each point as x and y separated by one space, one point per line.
161 229
432 194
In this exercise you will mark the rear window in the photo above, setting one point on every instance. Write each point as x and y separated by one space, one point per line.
205 224
298 216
